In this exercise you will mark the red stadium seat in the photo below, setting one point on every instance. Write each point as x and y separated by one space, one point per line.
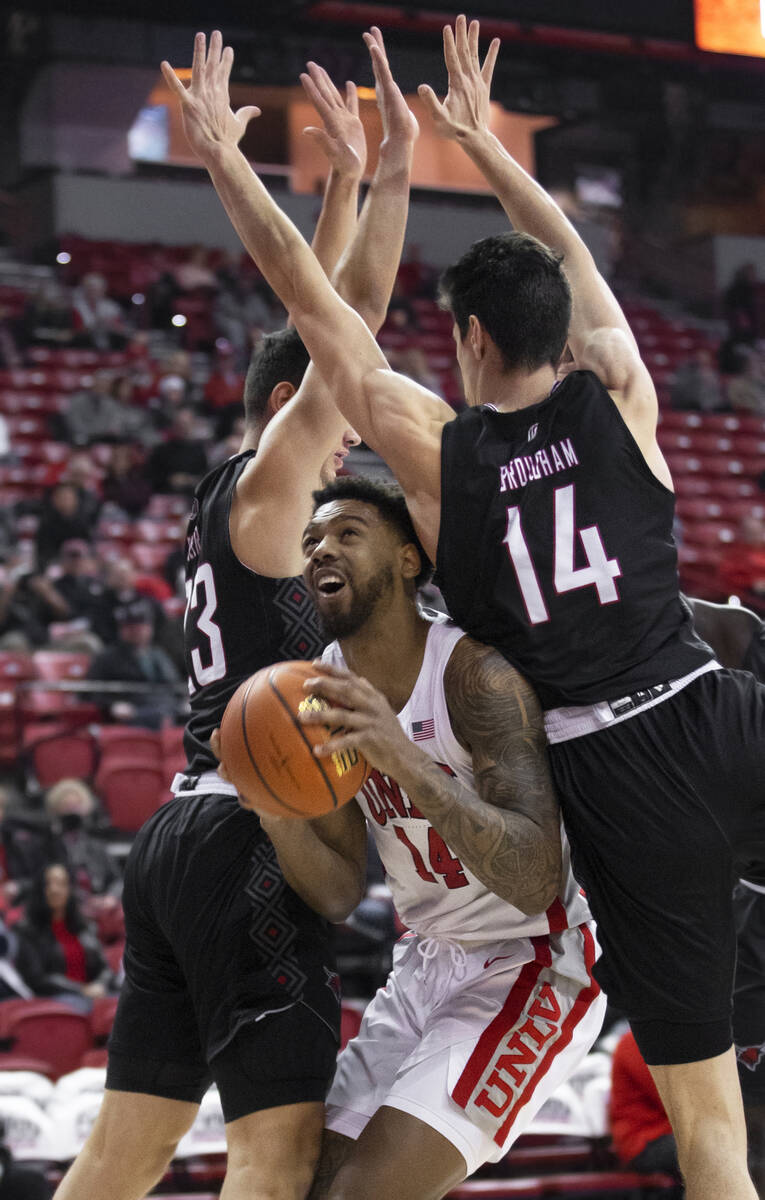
151 557
143 746
130 792
50 1032
57 752
15 669
60 665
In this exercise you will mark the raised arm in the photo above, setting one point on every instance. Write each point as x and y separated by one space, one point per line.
341 138
599 337
396 417
509 834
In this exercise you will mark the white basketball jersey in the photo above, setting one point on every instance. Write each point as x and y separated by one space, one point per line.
434 893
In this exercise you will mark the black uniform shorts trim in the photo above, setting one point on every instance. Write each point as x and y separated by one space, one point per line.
228 974
659 809
267 1064
749 993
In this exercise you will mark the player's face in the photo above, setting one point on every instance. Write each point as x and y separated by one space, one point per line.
349 555
335 461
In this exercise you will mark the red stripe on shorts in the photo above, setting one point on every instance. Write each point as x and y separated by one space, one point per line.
581 1004
503 1022
557 916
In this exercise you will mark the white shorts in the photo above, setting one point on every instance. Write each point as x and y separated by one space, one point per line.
471 1040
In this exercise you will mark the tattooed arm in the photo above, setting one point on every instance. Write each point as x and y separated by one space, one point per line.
508 835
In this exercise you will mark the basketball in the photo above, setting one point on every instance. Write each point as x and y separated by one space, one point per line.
268 753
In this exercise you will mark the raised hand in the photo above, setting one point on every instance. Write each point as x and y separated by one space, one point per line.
465 108
209 122
342 139
398 121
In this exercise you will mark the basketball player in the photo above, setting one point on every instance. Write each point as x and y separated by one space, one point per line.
229 975
737 637
491 1002
548 508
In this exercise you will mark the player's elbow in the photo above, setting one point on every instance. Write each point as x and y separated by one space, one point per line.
345 896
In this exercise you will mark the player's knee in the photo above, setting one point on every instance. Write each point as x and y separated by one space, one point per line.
259 1182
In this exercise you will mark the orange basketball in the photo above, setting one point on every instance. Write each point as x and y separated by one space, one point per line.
268 753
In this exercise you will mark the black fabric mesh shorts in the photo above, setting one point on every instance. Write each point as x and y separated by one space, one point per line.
228 974
749 993
658 810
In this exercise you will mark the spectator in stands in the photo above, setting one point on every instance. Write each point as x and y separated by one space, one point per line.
243 305
126 484
696 384
746 385
224 390
135 658
48 318
64 516
82 472
71 808
97 414
77 596
100 319
24 615
641 1131
742 569
411 361
59 953
124 585
178 464
26 845
195 274
401 311
20 1183
740 304
12 984
228 445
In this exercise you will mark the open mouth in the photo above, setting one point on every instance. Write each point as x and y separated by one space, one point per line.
329 584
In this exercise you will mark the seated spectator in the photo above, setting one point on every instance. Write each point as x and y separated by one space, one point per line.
26 845
224 390
178 464
740 304
742 568
96 414
746 385
25 1182
76 593
100 319
411 361
59 954
48 318
696 384
64 517
138 424
243 305
126 484
82 472
71 808
135 658
642 1134
195 273
401 311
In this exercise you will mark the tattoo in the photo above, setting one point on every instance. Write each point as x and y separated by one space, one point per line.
509 837
335 1149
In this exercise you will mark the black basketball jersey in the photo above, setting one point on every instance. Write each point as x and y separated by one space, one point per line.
556 547
753 868
236 620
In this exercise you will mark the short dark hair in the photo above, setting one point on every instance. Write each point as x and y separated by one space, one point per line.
389 500
281 357
516 287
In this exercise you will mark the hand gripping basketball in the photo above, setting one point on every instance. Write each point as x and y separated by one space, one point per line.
268 753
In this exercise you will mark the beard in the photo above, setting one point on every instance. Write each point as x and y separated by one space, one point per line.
344 624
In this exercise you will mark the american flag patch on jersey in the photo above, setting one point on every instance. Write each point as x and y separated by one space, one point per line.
422 730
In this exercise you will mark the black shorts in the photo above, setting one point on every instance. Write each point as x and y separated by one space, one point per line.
658 810
224 964
749 992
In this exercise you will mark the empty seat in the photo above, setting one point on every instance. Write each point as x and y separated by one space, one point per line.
130 792
143 746
50 1032
54 751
